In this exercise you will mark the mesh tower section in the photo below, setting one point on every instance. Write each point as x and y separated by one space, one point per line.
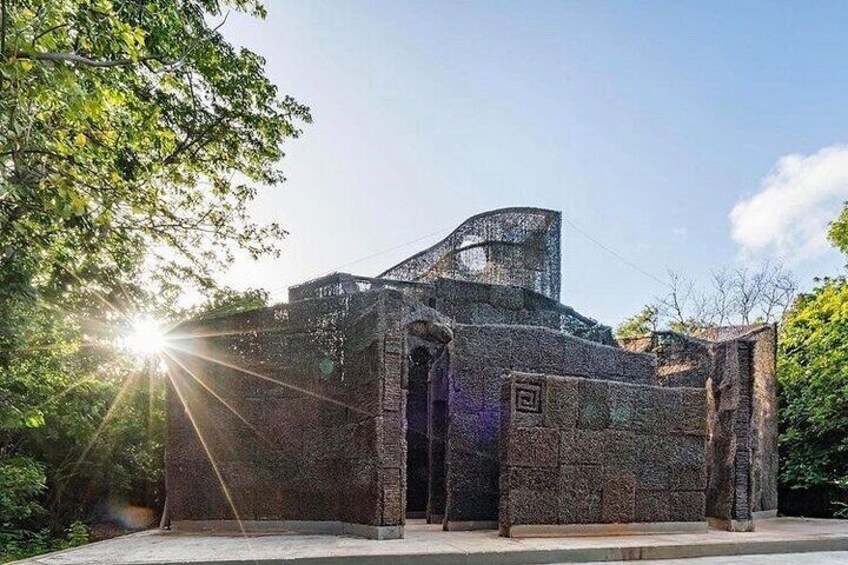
510 246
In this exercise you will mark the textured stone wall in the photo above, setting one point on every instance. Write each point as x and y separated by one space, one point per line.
736 365
744 458
682 360
764 421
584 451
301 407
482 304
728 480
477 358
468 302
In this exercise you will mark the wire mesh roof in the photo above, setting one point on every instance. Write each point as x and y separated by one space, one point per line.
510 246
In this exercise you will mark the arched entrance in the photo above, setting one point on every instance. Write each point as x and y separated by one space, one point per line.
425 418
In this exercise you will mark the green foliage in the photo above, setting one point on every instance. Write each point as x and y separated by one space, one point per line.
640 324
813 378
21 481
124 125
53 397
131 137
226 301
838 233
23 544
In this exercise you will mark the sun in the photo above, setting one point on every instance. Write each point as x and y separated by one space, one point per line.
146 337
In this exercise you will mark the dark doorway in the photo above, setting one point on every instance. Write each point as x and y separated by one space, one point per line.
437 433
417 467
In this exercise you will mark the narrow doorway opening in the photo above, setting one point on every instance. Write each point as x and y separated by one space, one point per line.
417 439
437 433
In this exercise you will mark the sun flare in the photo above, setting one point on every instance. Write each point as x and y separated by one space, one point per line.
146 337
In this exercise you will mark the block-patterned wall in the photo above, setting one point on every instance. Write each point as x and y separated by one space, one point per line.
477 303
478 357
738 372
584 451
301 407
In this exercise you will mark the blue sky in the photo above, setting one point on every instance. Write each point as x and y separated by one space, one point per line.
645 123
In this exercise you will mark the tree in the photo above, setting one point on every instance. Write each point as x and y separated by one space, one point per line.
813 379
813 376
226 301
838 234
742 295
643 323
132 136
123 126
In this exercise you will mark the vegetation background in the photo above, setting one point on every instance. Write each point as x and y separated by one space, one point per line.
812 365
132 136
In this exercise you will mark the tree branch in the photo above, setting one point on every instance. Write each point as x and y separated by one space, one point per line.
79 59
82 60
47 31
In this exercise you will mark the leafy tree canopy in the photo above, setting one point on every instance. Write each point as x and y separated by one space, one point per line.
132 128
838 233
813 373
640 324
813 378
132 136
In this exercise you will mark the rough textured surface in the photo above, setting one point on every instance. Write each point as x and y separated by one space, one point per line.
477 358
736 365
468 302
682 360
301 407
477 303
638 456
511 246
368 398
764 453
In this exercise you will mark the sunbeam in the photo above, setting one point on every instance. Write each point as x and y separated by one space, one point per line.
171 345
109 413
224 488
273 380
219 398
66 390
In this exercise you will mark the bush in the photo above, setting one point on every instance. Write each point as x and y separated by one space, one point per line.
20 544
813 380
22 480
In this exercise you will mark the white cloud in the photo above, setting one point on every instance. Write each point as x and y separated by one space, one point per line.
680 232
790 214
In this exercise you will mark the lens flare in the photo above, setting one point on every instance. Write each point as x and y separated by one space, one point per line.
146 337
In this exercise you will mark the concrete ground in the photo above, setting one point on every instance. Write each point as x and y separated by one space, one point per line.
425 545
815 558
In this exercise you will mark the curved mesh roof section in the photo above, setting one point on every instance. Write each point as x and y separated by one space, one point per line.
511 246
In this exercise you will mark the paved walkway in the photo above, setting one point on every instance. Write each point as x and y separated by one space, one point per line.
823 558
425 545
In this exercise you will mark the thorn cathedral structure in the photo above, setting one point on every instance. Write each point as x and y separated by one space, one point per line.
455 387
